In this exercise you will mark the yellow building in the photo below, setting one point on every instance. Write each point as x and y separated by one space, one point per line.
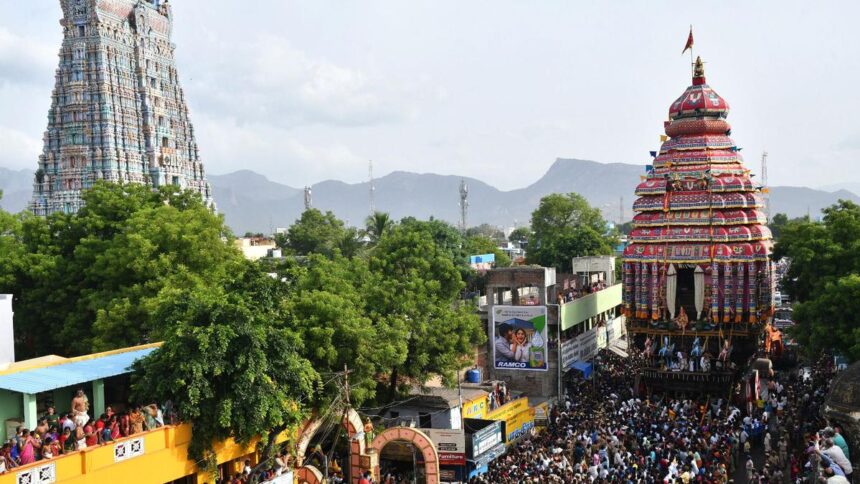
155 456
517 415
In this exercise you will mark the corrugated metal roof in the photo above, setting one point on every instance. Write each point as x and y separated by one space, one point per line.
38 380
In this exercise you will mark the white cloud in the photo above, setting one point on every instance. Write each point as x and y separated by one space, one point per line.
17 149
25 59
281 154
271 81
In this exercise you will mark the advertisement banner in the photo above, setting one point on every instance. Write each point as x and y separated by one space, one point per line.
476 408
588 344
520 425
486 438
450 445
569 352
520 338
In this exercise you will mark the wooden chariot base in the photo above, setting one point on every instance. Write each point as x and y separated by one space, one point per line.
714 382
665 328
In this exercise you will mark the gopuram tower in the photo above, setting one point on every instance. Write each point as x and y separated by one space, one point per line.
117 111
698 280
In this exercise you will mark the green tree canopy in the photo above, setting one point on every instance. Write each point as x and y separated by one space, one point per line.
823 278
89 281
479 244
564 227
520 236
416 290
377 225
229 364
486 230
326 310
315 233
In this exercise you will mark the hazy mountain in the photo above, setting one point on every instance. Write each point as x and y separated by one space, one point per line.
252 202
851 187
17 187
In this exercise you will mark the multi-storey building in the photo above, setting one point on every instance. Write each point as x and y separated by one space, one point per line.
117 111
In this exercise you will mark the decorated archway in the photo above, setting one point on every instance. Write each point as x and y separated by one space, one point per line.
354 430
309 475
415 437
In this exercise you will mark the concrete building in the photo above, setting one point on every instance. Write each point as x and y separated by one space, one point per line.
254 248
117 111
524 286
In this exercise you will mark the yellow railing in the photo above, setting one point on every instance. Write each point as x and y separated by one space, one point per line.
156 456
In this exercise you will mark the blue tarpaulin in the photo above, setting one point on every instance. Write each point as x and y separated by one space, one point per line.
66 374
583 366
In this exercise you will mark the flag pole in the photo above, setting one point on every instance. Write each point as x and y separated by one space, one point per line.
692 64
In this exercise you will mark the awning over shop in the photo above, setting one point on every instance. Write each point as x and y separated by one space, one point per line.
583 366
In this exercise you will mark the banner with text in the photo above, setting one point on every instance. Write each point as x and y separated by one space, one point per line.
520 338
450 445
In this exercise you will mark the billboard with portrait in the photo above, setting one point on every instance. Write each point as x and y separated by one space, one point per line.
520 338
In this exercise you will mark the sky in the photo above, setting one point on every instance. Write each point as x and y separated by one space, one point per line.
308 90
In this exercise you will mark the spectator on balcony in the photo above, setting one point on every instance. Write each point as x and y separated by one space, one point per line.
80 407
124 424
50 449
68 422
92 438
29 448
99 427
136 420
52 417
114 427
67 441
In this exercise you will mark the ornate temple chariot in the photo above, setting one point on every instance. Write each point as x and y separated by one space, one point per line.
698 280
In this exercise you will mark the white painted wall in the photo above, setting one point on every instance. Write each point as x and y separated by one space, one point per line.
7 334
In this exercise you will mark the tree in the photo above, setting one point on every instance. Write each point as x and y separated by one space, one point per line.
377 225
229 364
415 290
479 244
823 278
488 231
91 281
520 237
326 310
780 221
564 227
11 246
315 233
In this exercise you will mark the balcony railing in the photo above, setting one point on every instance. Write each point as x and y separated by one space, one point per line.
579 310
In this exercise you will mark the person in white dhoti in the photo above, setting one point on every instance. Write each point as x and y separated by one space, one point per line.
80 408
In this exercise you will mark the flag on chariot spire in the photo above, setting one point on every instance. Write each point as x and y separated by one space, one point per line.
689 41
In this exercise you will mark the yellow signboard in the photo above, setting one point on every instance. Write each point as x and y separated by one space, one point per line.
476 408
509 409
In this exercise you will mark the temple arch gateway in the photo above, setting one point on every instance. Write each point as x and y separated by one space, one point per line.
415 437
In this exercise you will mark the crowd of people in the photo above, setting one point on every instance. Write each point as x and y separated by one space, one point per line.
606 433
61 433
574 293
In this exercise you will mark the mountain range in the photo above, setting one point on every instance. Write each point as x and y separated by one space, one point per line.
251 202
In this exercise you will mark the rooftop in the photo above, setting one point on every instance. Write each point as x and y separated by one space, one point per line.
52 372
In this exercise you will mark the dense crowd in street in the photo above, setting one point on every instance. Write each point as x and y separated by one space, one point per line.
62 433
604 433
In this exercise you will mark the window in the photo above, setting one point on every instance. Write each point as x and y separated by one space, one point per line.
164 142
161 120
176 181
424 420
81 30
